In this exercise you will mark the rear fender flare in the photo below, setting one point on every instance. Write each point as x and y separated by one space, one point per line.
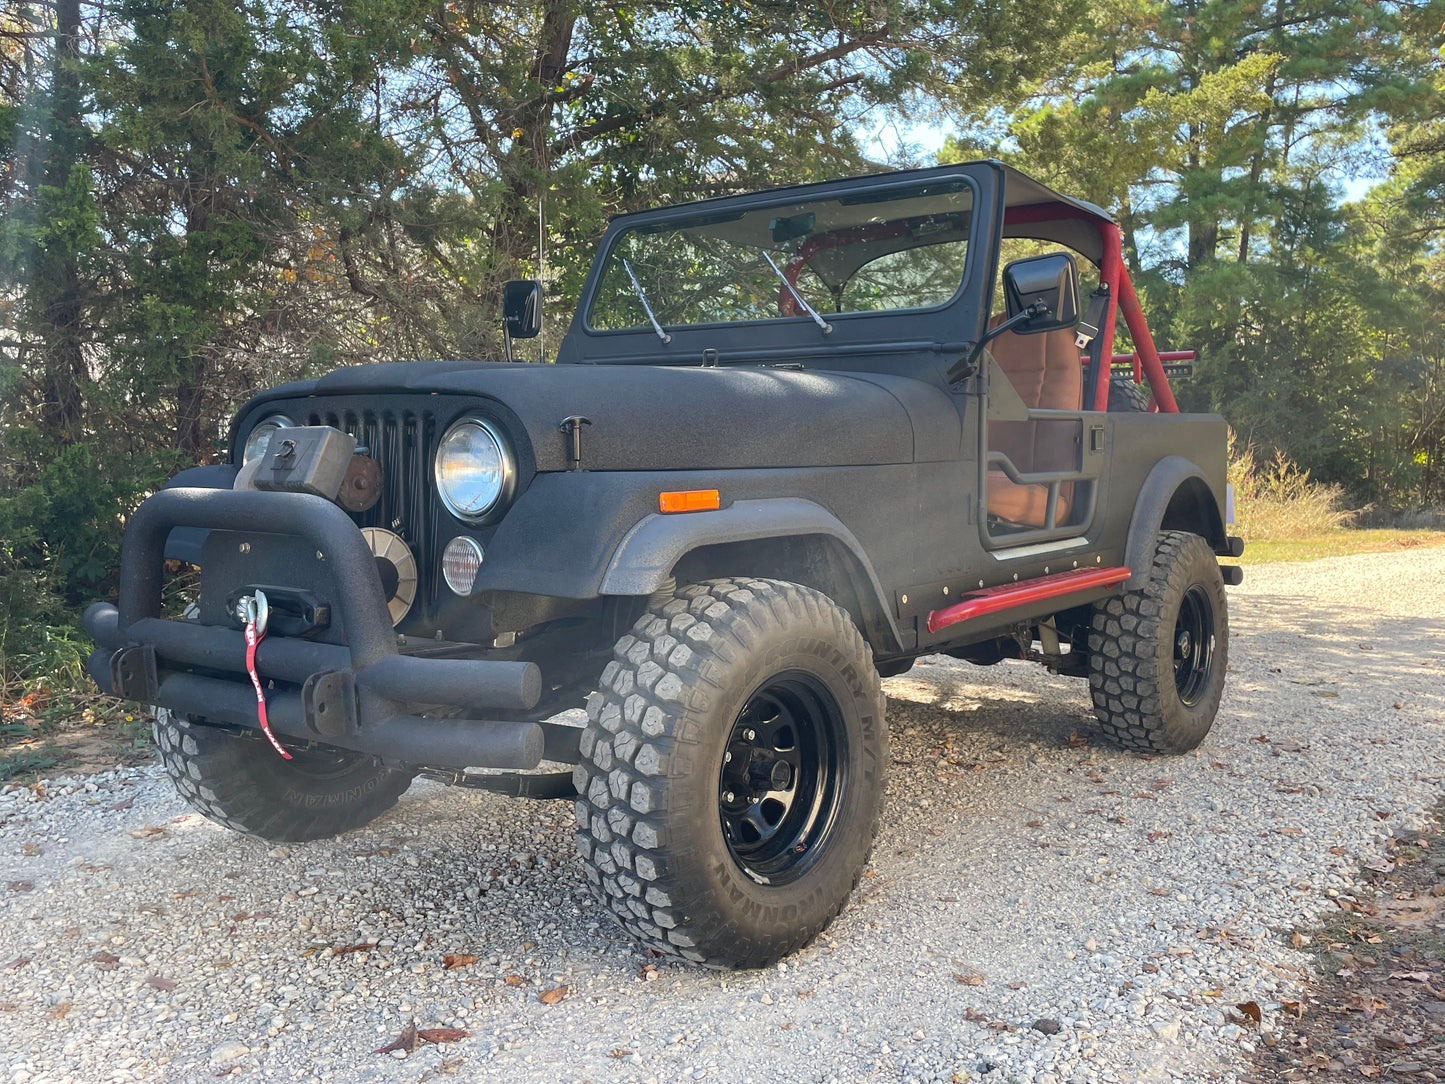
1176 495
647 554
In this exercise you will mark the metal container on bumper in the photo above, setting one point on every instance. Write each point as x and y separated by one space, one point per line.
363 696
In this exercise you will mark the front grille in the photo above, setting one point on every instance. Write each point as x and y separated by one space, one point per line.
401 442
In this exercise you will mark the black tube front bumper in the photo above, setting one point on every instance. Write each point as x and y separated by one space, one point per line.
363 696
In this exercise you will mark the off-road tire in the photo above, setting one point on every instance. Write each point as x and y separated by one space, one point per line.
236 779
661 739
1127 396
1150 694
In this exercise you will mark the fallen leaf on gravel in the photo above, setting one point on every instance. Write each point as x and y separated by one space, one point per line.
360 946
460 959
161 983
1298 940
1380 865
1017 985
1337 851
442 1035
1251 1010
1180 950
515 980
123 805
105 961
187 894
807 993
619 1052
1288 831
407 1040
1296 1007
17 963
552 996
1325 692
1411 976
1033 824
1159 837
1397 1041
1161 892
1075 741
147 832
30 850
57 1012
21 886
970 978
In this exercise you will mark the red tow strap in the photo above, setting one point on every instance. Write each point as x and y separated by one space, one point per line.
253 638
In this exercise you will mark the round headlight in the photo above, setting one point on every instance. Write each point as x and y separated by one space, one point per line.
256 442
473 469
461 561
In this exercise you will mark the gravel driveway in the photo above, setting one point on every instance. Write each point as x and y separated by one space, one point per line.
1022 876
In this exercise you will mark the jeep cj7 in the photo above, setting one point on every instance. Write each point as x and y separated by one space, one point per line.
785 450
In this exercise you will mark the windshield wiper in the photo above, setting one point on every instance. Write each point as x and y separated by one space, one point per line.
637 289
827 327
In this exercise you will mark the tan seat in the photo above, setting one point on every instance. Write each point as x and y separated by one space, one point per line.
1044 369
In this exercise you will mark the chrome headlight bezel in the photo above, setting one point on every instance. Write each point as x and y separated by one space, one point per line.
263 429
499 494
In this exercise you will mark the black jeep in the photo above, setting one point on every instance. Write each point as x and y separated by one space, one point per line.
785 450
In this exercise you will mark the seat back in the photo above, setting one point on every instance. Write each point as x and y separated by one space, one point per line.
1045 371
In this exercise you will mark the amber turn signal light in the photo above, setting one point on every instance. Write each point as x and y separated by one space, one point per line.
688 500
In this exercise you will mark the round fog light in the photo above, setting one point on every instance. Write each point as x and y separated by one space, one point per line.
461 561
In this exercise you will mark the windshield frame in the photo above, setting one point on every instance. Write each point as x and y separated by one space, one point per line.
874 185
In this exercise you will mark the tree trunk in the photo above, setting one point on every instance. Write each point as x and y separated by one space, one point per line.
55 291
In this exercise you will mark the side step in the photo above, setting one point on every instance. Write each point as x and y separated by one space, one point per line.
1008 596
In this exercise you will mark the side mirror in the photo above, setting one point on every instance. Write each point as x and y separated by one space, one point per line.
522 308
1044 290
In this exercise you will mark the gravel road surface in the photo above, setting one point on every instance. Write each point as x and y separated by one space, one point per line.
1037 909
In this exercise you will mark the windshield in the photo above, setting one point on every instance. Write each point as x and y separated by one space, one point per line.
898 248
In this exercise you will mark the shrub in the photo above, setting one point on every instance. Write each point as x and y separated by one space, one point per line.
1278 500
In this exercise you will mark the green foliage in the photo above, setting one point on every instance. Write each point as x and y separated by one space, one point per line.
1221 133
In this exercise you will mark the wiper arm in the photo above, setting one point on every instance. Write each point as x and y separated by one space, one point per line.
827 327
637 289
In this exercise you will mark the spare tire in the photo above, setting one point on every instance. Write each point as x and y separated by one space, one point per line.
1124 394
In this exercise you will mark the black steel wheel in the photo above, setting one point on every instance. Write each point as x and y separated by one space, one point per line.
1158 653
234 777
1194 646
732 770
783 775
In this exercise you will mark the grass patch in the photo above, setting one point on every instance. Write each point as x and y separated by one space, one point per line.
1339 543
25 764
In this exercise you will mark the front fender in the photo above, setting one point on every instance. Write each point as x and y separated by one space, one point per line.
646 555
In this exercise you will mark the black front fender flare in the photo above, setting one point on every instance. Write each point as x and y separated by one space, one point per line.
645 557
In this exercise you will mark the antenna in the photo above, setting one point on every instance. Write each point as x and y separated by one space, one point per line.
542 259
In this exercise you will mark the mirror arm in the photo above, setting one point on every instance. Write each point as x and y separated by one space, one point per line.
968 364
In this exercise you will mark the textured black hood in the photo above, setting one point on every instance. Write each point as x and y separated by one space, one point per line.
666 418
